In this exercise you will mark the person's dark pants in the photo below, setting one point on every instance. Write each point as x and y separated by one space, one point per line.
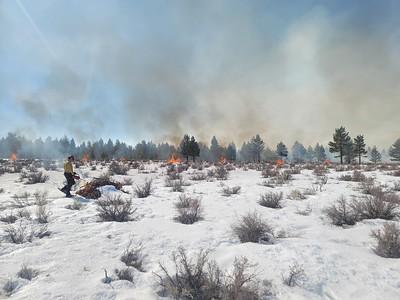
70 182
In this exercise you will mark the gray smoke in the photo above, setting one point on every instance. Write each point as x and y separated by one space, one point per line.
221 68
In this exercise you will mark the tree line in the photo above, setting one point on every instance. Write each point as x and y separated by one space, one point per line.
342 147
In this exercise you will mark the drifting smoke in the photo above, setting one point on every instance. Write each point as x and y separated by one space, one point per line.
225 68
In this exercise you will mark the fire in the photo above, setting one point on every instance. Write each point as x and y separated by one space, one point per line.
85 157
279 163
222 160
174 159
13 157
327 162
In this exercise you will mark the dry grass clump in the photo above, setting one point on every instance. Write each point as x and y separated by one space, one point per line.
144 190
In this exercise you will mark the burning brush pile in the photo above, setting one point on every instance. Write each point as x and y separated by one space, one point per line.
91 191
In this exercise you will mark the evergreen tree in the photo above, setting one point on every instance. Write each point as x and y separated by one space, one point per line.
215 149
281 150
310 155
184 147
231 152
375 156
394 151
348 152
194 149
319 151
340 143
359 147
256 147
298 152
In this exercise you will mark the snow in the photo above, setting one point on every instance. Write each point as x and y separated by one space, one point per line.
339 262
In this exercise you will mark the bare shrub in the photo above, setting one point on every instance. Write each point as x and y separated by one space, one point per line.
320 170
268 183
369 187
36 177
145 189
388 241
341 213
27 273
242 283
42 211
228 191
309 192
346 177
356 176
19 233
269 172
115 208
127 181
1 190
395 173
200 278
133 256
124 274
296 195
296 275
117 168
271 200
189 210
40 231
221 173
76 205
177 185
23 213
252 228
379 206
198 176
9 218
21 200
10 286
321 182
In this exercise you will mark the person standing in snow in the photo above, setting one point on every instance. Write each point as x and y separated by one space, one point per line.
69 175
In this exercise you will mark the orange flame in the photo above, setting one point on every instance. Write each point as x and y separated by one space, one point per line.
279 163
327 162
174 159
222 160
13 157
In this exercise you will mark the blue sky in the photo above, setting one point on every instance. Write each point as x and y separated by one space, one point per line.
289 70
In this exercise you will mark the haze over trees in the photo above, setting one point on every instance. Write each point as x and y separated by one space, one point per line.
253 150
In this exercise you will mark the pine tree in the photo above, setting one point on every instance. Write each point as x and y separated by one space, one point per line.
256 146
281 150
341 143
215 149
194 149
359 147
394 151
375 156
310 155
231 152
184 147
298 152
319 151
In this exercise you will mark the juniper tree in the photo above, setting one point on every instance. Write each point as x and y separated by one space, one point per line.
319 151
375 156
281 150
359 147
394 151
256 146
341 140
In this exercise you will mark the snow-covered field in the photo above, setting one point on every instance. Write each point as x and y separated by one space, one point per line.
338 262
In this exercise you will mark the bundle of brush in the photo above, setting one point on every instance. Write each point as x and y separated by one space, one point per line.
90 189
